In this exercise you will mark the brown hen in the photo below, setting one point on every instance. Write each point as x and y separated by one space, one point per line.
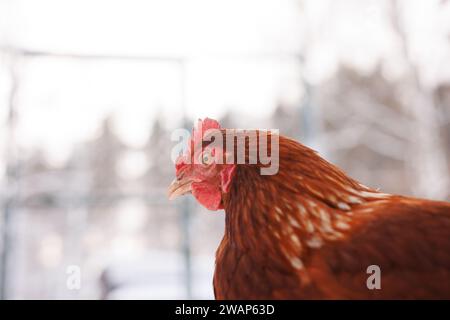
312 232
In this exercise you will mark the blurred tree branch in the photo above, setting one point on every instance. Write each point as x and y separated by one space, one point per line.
426 157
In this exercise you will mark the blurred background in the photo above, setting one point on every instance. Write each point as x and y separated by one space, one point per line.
90 92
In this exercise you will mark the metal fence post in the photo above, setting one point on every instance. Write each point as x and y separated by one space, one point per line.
11 183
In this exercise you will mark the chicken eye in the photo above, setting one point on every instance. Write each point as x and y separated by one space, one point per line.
207 158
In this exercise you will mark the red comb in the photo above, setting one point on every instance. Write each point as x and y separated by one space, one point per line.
201 128
195 139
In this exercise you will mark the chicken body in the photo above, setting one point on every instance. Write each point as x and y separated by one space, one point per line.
311 232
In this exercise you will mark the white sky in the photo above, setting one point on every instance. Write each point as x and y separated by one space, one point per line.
62 101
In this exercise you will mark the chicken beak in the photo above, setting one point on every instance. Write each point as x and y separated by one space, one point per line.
179 187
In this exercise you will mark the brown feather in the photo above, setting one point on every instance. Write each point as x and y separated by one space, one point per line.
310 232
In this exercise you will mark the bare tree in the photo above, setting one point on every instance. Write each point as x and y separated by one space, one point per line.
426 157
